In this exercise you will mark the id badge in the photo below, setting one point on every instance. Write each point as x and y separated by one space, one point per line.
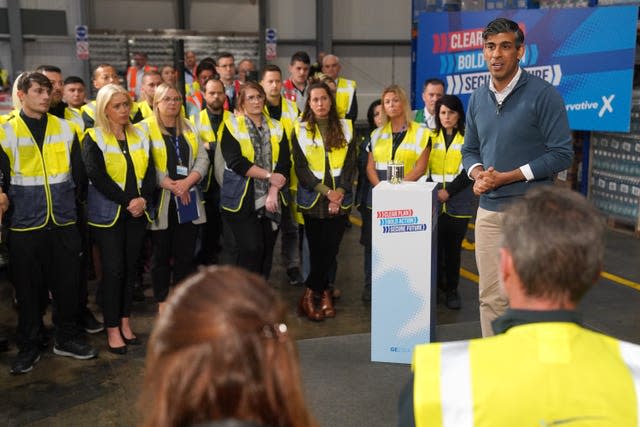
182 170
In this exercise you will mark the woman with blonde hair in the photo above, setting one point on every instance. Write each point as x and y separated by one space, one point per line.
399 139
121 186
181 162
220 354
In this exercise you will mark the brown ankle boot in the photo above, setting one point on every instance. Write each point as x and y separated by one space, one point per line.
307 306
326 304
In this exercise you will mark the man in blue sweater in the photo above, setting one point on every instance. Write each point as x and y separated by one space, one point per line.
517 136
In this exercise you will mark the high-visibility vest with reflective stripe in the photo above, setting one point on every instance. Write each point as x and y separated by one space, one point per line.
288 117
42 186
205 132
312 146
445 164
101 211
145 109
73 115
345 90
538 374
234 187
408 152
159 149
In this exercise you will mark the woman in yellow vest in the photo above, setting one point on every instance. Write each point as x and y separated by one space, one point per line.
455 193
181 162
399 139
325 163
121 186
256 156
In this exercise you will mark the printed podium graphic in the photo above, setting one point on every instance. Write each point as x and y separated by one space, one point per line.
404 220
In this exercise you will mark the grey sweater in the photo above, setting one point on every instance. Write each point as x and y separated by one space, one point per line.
530 127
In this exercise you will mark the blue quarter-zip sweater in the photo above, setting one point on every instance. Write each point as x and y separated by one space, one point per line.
529 127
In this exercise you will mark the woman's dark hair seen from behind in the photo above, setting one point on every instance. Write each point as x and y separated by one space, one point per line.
220 351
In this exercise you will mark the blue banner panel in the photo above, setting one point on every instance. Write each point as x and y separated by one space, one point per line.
586 53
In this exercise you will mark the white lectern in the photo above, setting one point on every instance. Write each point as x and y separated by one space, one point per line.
404 249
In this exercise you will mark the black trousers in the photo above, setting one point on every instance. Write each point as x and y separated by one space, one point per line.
254 239
324 236
120 247
177 243
451 232
41 260
211 231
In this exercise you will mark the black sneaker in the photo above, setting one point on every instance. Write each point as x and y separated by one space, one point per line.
295 278
90 323
75 348
25 360
453 300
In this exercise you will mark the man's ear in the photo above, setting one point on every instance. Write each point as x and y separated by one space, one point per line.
506 269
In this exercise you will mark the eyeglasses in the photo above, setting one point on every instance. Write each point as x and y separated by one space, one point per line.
169 99
255 98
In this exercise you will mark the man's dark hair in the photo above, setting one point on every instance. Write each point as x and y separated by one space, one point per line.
504 25
74 79
48 69
436 82
270 68
556 239
212 79
26 80
224 55
301 56
205 65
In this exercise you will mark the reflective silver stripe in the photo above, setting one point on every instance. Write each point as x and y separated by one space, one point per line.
381 166
441 179
630 353
455 385
319 175
27 180
57 179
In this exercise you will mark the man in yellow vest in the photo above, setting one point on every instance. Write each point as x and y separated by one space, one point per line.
280 108
543 368
210 124
61 109
41 154
346 100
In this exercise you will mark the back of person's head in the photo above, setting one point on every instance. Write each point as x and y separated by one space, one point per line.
454 103
556 239
504 25
220 350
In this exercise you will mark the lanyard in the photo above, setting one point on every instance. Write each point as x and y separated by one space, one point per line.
176 141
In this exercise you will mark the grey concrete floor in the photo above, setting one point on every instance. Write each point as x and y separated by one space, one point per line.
104 391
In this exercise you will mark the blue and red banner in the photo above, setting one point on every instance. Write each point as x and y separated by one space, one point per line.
588 54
